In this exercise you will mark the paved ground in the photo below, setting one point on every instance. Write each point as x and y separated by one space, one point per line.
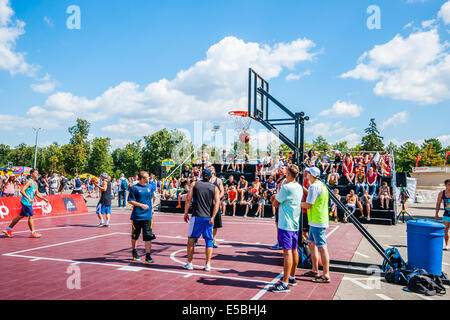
347 286
367 288
372 287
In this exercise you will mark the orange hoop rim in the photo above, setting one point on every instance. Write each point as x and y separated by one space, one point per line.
243 114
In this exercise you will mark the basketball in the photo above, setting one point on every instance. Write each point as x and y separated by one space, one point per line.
244 137
95 180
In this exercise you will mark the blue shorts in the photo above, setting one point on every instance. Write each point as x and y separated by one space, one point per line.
288 239
318 236
26 211
101 209
201 227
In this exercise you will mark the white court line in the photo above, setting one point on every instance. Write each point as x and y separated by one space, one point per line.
58 244
265 289
121 267
382 296
362 255
173 258
52 217
445 264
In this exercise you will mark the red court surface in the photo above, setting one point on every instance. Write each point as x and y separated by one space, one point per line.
243 266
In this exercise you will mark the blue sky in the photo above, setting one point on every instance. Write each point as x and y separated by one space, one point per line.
137 66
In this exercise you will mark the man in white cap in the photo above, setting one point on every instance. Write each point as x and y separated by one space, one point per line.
317 204
104 205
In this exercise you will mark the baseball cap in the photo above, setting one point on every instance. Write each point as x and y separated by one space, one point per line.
104 175
315 172
207 173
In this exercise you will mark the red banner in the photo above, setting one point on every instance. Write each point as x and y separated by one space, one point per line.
446 156
419 157
57 205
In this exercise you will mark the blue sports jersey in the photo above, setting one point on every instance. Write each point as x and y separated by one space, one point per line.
144 195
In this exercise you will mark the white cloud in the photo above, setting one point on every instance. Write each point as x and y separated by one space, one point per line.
353 139
445 140
396 119
428 23
444 13
205 91
135 128
10 31
45 85
343 109
416 68
48 21
293 76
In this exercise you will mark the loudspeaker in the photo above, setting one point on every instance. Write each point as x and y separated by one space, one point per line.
162 172
401 179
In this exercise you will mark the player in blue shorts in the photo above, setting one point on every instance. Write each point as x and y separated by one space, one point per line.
205 198
28 191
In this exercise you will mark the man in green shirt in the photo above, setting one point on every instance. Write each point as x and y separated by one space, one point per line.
317 204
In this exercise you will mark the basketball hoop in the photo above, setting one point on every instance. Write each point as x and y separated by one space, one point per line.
242 123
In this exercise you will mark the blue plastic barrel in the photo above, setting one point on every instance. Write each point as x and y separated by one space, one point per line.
425 245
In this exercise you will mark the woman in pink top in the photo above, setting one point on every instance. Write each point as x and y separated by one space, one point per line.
8 190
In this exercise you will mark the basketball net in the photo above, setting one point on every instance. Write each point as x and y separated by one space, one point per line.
241 123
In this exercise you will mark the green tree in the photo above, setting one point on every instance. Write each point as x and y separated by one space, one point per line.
4 154
431 150
76 154
22 155
341 146
320 144
372 141
100 159
406 157
158 147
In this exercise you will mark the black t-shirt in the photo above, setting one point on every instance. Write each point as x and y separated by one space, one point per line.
203 199
105 199
41 185
185 173
231 183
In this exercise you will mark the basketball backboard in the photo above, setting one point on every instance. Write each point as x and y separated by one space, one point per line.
257 103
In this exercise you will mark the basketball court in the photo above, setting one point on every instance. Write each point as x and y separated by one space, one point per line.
73 249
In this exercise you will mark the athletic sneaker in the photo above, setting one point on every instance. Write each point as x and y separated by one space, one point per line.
135 256
35 235
101 224
188 266
279 287
8 233
215 246
106 225
276 246
292 282
148 258
207 268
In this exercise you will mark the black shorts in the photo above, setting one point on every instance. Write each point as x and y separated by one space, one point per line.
305 222
77 191
276 216
218 221
145 226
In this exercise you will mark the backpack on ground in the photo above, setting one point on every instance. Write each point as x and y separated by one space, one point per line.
402 276
396 261
427 284
304 256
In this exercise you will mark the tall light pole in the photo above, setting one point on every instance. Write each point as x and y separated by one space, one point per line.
35 146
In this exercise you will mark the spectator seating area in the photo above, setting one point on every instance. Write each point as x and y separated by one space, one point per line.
378 215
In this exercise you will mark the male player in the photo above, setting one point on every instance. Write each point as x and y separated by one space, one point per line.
444 198
28 191
218 219
141 197
205 198
104 204
289 200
